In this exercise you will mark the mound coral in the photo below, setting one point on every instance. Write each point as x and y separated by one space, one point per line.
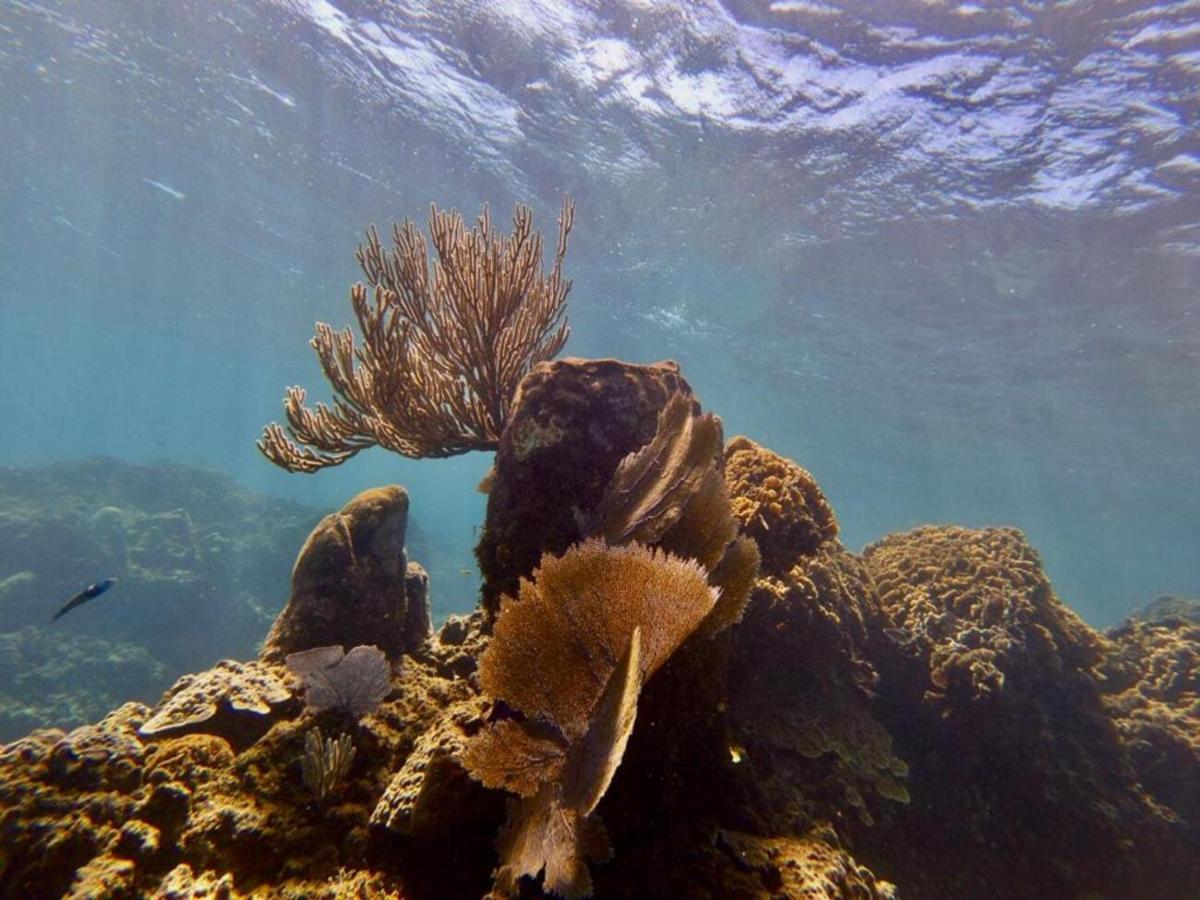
442 352
991 688
976 607
778 504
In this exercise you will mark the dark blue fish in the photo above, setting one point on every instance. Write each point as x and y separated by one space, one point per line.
88 593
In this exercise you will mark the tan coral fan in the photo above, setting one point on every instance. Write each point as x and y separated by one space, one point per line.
556 645
571 654
671 493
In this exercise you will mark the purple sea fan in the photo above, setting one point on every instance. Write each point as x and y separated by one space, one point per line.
354 683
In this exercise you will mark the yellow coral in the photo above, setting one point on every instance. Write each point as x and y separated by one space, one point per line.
777 503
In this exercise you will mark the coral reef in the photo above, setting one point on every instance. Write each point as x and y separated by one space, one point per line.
350 583
925 719
992 691
778 504
441 354
1152 690
64 679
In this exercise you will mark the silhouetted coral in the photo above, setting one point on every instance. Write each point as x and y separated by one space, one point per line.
777 503
350 583
353 683
441 354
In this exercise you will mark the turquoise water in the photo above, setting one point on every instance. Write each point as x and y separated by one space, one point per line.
945 258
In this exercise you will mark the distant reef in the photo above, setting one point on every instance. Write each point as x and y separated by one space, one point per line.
678 683
200 562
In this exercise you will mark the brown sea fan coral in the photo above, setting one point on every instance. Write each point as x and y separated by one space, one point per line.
570 654
671 493
442 352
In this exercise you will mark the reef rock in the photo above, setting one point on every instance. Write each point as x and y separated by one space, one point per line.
572 422
350 584
231 699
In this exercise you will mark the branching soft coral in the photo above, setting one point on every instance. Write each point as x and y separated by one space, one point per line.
442 352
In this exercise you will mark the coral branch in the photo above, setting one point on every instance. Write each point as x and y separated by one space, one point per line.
442 352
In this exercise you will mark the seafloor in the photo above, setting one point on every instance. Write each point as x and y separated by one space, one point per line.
924 719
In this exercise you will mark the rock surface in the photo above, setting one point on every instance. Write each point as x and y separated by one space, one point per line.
572 421
350 584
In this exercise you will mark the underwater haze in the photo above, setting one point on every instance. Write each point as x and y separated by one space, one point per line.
944 255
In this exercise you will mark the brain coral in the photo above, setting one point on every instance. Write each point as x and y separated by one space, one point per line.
778 504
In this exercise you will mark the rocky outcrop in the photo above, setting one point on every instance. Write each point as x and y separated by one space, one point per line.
352 584
572 422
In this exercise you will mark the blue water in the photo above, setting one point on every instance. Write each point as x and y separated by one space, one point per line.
945 257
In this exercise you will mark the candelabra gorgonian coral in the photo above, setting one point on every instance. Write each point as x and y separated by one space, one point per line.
442 352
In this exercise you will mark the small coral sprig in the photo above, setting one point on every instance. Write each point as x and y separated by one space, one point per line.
325 763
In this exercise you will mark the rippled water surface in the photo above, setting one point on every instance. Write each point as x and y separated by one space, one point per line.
944 255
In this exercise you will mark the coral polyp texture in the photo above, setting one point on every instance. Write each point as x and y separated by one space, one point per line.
636 709
778 503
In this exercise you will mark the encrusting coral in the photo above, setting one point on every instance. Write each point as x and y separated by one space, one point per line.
1152 690
232 699
778 504
442 352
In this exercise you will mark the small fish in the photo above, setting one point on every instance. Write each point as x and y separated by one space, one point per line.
485 483
88 593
